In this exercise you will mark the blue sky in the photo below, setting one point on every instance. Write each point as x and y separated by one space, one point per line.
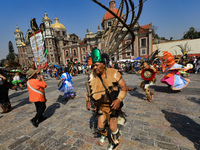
172 17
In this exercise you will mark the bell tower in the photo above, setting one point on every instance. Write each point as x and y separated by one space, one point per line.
112 4
19 37
48 26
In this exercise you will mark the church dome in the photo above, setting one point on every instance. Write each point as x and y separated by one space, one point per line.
58 25
17 29
108 15
46 17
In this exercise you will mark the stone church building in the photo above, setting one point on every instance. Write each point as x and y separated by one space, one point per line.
61 47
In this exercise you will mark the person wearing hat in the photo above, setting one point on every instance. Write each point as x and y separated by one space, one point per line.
36 95
104 84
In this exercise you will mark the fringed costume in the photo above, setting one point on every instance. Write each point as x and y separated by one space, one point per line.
106 89
148 73
106 82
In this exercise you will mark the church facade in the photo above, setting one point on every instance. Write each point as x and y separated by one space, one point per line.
55 37
142 46
63 47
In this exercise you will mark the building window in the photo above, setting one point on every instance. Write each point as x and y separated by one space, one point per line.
74 39
67 53
51 55
128 53
143 42
143 51
84 58
83 50
74 52
109 24
129 46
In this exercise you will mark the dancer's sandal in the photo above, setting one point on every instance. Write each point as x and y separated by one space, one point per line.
114 145
102 140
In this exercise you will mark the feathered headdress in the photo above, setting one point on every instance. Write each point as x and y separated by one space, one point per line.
113 36
153 56
168 59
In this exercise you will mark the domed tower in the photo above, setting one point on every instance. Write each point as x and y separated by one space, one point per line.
48 26
49 39
59 29
21 46
60 36
108 18
19 37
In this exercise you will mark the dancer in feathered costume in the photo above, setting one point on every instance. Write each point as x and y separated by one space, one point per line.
148 73
172 77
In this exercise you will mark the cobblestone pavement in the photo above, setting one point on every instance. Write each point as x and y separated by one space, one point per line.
171 122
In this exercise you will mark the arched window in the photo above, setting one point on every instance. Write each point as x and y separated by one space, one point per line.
109 24
74 52
67 53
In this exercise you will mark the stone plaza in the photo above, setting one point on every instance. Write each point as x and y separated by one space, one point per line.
171 122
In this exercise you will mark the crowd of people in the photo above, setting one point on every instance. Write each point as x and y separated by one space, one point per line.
56 71
102 75
135 66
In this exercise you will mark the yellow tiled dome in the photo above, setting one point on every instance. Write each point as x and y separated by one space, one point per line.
58 25
45 16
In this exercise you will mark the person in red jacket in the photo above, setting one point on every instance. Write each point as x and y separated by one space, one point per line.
36 95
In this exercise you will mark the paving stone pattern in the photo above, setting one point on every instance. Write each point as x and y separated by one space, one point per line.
171 122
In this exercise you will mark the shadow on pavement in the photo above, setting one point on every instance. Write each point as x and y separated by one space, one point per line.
194 100
21 103
185 126
163 89
17 93
51 110
61 99
136 94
